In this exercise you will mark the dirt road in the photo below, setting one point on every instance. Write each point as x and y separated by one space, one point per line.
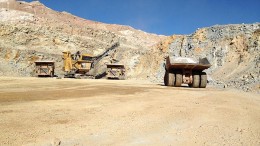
100 112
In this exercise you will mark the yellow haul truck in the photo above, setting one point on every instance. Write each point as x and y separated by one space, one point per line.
45 68
183 70
115 71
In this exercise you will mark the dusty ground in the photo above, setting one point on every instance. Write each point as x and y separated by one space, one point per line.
101 112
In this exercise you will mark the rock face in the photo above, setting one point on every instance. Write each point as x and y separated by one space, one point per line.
233 50
31 31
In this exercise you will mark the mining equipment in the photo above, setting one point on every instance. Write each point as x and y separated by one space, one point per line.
45 68
115 71
80 65
77 65
183 70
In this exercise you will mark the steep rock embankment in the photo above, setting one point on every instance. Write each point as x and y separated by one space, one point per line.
31 31
233 51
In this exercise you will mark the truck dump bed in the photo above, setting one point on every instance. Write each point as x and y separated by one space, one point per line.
115 66
115 71
45 68
186 63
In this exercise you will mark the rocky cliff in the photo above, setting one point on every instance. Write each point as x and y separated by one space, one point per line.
233 51
31 31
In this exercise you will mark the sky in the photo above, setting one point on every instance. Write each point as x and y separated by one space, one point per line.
165 17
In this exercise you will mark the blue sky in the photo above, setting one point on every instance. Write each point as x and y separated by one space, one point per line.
164 17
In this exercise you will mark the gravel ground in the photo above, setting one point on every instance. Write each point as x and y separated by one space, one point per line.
38 111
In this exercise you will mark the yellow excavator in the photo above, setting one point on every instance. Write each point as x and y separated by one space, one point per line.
80 65
77 65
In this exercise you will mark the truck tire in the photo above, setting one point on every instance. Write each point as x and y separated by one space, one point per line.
51 75
196 80
165 78
203 80
77 76
178 78
169 78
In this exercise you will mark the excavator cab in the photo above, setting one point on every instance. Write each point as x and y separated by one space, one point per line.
84 63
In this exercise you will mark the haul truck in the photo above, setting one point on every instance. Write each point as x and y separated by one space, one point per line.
116 71
45 68
182 70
